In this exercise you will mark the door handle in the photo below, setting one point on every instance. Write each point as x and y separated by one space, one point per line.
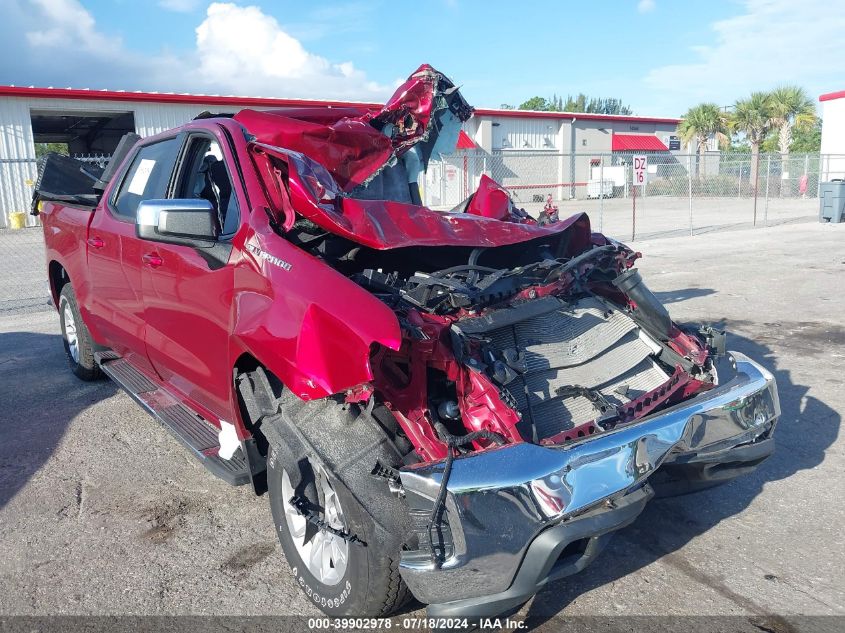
96 242
153 260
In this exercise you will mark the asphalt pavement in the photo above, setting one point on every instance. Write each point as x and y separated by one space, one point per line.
102 512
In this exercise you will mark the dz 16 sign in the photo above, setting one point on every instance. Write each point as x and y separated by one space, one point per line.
640 168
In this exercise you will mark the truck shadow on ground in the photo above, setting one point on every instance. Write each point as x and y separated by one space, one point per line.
807 427
40 397
676 296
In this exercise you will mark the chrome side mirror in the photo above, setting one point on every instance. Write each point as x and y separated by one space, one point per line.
188 222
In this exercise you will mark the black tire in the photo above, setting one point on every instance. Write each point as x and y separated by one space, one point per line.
82 363
326 438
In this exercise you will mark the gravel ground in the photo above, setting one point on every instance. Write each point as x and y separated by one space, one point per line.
102 512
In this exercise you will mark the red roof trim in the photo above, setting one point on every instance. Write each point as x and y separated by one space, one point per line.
581 116
168 97
637 142
192 99
830 96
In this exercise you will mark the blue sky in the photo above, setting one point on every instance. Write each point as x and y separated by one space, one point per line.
658 56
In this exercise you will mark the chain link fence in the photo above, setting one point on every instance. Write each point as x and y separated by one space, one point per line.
23 277
682 195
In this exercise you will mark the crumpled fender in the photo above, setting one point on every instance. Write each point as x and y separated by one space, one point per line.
491 200
304 321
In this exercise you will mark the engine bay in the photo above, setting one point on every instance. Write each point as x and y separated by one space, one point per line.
555 347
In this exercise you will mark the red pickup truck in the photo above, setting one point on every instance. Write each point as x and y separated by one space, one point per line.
460 406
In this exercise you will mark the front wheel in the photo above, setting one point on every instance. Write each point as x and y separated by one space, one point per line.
343 548
79 348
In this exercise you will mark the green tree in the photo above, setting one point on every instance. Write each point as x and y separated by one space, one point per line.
594 105
535 103
579 103
753 118
769 144
42 149
790 108
699 124
807 139
576 104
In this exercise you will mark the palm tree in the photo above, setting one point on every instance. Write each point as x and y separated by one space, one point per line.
790 107
699 124
753 117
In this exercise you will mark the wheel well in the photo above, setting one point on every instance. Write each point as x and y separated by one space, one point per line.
257 390
260 392
58 278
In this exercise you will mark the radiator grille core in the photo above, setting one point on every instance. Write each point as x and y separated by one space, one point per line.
587 345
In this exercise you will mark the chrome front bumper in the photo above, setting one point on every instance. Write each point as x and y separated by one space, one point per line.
508 508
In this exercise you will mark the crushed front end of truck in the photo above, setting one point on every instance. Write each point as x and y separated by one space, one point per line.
543 401
541 393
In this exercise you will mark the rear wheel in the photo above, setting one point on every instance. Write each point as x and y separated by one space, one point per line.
79 348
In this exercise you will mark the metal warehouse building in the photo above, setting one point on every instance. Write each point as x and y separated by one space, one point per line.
92 122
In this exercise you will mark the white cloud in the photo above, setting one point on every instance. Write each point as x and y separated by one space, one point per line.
238 50
180 6
771 42
67 20
245 48
646 6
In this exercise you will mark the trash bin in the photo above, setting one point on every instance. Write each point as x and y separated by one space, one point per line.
832 201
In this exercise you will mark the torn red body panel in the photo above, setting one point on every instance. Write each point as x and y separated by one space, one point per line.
349 148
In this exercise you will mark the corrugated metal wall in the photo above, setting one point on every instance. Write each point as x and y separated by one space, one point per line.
17 158
152 118
525 134
17 149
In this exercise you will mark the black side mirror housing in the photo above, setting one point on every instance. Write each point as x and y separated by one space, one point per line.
187 222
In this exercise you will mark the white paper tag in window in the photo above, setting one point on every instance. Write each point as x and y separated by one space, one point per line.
141 176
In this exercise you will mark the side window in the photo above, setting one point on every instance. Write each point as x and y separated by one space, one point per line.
147 178
204 175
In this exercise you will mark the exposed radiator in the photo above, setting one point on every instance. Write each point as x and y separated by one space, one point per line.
587 345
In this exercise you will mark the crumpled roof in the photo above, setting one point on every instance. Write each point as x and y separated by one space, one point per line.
349 142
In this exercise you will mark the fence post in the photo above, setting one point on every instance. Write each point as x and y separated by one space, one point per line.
689 190
768 173
755 181
559 188
739 183
601 193
442 178
822 174
626 179
633 205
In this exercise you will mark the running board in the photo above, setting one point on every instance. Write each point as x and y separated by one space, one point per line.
195 433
